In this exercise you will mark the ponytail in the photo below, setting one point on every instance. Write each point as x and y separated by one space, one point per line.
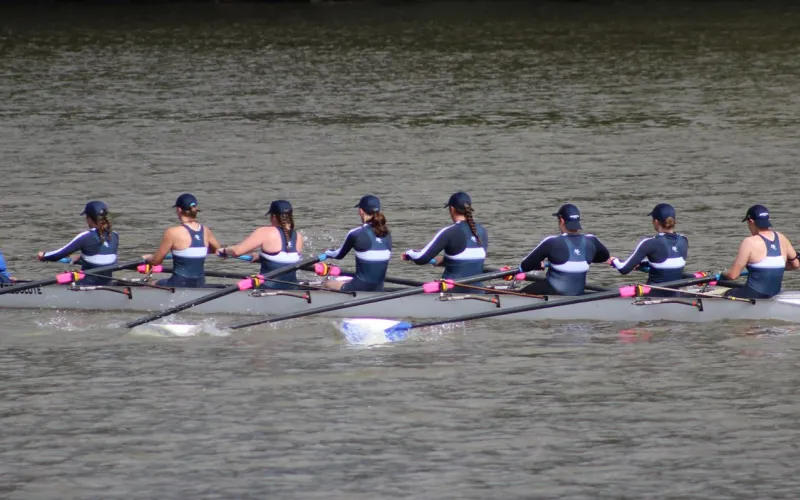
669 223
467 213
286 222
191 212
378 224
103 226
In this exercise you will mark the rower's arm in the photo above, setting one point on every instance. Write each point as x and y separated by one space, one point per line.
742 258
163 249
601 253
213 244
68 249
792 259
436 245
249 244
349 243
533 261
641 251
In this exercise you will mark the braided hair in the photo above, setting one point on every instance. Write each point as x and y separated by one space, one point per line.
467 213
103 226
286 222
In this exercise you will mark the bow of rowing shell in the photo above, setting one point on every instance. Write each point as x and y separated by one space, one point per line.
785 307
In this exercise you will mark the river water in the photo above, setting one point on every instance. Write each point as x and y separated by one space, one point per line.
614 108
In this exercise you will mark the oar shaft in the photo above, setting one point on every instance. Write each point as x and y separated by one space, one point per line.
367 300
533 277
52 281
388 279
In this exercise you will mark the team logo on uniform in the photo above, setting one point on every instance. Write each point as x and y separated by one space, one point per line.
105 244
674 249
379 240
475 239
197 237
577 252
773 246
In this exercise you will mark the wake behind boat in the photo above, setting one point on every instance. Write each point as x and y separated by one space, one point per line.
783 307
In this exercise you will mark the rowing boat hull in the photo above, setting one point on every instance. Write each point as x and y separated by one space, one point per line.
785 307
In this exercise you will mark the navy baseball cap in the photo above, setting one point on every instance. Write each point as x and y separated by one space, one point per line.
459 201
185 201
662 212
571 216
759 215
94 208
279 207
369 204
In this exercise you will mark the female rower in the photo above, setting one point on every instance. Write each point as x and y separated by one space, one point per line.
665 253
464 243
189 243
765 254
97 246
372 242
568 254
5 277
278 245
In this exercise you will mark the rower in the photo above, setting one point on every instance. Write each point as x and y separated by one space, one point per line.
665 253
98 246
568 254
5 276
464 243
189 243
278 245
372 242
765 254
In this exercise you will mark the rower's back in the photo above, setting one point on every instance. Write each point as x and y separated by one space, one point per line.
282 246
189 252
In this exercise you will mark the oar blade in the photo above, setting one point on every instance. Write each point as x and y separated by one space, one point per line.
372 331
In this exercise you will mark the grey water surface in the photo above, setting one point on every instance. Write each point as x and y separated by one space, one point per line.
611 107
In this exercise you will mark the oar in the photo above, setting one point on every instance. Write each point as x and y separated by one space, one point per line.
433 288
67 277
702 295
399 330
533 277
699 274
244 284
323 269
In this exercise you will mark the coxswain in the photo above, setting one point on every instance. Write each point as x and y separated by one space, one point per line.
98 246
372 243
189 244
568 255
664 254
765 254
463 243
278 245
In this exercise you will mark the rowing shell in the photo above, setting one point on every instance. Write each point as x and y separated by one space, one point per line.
784 307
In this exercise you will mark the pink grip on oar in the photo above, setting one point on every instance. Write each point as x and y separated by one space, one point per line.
334 271
700 274
323 269
245 284
519 276
630 291
432 287
65 278
147 268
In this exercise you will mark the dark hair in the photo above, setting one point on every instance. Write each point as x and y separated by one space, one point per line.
191 212
286 222
467 213
103 226
378 224
669 223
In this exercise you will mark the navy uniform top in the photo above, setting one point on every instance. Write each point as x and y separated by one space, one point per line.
4 276
286 256
463 254
664 253
372 257
766 275
93 252
190 262
569 256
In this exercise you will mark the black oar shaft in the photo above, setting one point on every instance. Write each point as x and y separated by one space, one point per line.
391 279
555 303
221 293
53 281
365 301
533 277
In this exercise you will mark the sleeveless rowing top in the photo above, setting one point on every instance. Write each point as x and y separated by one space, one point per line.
469 261
286 256
766 275
190 262
99 254
569 278
372 263
671 268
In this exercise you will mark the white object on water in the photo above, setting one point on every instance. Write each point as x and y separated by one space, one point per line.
370 331
168 330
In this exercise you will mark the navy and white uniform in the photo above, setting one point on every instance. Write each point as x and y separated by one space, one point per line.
665 254
94 254
4 276
188 265
372 258
765 276
285 257
463 253
569 256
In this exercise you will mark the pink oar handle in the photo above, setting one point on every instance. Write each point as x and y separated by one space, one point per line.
149 268
69 277
322 269
251 282
438 286
629 291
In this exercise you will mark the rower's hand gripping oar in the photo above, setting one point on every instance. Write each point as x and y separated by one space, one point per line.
521 276
399 330
244 284
68 277
371 300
